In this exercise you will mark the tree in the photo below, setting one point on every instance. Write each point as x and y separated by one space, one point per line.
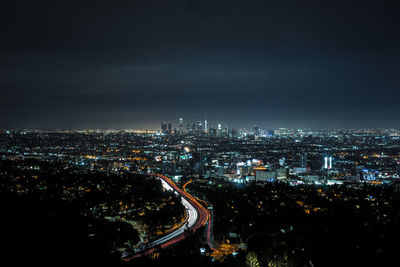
252 260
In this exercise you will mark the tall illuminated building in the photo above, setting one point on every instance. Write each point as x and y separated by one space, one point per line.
327 163
398 169
327 166
180 125
303 161
199 127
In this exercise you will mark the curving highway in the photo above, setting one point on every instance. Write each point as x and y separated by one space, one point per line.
197 217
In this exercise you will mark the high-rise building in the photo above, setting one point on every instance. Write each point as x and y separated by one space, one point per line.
256 130
327 163
234 133
205 126
303 161
164 127
219 129
398 169
271 133
169 128
180 125
226 129
213 131
199 127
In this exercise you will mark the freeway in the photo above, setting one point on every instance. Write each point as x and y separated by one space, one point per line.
209 228
197 217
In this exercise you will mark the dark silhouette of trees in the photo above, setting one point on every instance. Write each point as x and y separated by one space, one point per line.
46 231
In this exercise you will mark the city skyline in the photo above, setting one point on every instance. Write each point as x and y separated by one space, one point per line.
153 199
200 133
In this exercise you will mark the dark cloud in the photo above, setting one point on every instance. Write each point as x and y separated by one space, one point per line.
135 63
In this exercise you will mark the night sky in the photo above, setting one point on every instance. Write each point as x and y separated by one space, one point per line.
133 64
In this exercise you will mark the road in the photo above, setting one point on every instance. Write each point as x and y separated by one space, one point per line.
197 217
209 227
